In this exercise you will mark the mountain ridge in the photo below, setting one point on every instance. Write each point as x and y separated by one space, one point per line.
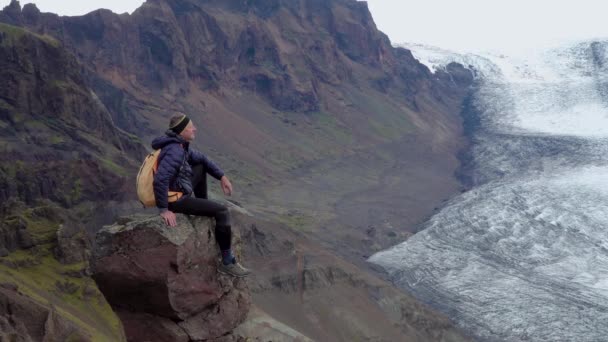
327 131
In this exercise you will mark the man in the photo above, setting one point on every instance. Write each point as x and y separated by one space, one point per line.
184 170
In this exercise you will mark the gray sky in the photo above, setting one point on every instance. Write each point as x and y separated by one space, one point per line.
464 24
509 25
73 7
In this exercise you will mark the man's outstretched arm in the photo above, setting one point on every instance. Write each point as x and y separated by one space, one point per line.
197 157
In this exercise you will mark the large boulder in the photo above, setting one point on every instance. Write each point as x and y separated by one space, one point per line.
150 272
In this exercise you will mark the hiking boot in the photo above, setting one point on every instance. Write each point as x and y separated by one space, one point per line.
234 269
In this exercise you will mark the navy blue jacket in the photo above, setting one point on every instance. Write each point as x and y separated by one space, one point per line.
175 163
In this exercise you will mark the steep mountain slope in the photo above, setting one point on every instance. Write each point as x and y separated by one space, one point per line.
327 298
305 103
55 131
60 149
324 127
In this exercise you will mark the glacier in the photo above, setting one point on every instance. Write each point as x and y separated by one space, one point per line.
522 255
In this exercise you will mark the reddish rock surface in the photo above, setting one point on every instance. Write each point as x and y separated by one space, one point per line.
163 281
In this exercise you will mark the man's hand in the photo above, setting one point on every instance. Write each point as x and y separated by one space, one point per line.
226 186
169 218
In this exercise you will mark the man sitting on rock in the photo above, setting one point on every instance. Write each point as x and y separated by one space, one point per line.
182 169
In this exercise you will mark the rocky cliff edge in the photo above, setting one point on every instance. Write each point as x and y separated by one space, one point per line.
163 282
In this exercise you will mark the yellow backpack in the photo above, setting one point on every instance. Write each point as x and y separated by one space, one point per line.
145 182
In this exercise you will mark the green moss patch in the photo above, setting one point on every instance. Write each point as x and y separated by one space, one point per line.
76 193
5 105
43 279
56 140
113 167
42 229
330 126
299 220
13 33
385 118
134 138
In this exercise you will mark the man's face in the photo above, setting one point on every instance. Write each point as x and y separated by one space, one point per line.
189 132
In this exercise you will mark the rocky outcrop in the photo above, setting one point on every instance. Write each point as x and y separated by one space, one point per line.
14 235
58 140
299 89
360 139
285 52
320 296
24 320
23 227
45 291
73 245
163 282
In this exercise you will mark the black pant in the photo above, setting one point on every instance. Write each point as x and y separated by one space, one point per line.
199 205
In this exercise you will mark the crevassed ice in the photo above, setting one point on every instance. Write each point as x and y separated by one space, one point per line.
581 119
556 91
524 254
517 259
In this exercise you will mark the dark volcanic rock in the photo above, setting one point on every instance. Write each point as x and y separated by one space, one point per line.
144 267
72 244
24 228
58 140
24 320
283 51
14 235
228 63
147 327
